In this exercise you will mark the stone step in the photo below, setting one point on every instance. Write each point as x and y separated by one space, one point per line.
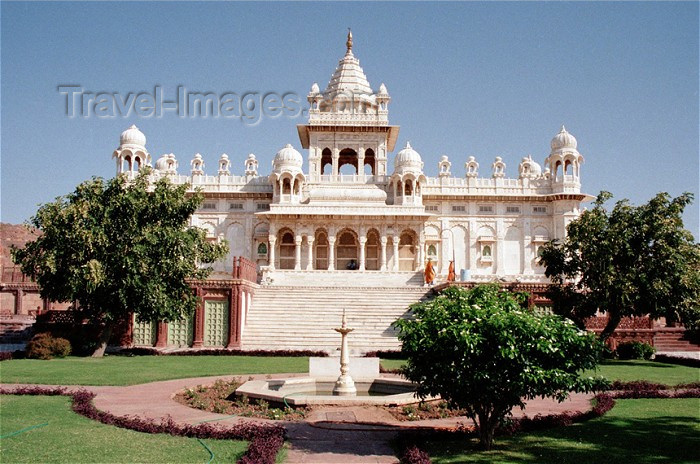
303 317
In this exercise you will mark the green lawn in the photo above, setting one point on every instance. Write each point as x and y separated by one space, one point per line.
123 370
634 431
669 374
69 437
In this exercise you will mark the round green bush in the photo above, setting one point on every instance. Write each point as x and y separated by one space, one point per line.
635 350
45 346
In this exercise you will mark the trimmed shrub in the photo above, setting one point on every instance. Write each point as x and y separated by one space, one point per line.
414 455
46 346
635 350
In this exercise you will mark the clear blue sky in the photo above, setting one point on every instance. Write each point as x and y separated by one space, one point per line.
482 79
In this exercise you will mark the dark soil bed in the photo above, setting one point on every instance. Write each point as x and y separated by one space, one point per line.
220 398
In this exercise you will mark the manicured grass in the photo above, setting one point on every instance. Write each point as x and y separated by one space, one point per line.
634 431
392 363
669 374
123 370
69 437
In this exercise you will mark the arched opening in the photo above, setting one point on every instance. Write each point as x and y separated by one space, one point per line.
321 245
372 250
486 251
287 251
347 170
409 187
286 187
407 252
297 186
369 161
126 164
399 188
567 168
137 163
347 156
556 170
326 161
346 251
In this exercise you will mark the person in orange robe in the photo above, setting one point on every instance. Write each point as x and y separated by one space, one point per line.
429 272
451 272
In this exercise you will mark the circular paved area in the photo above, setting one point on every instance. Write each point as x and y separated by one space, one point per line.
330 434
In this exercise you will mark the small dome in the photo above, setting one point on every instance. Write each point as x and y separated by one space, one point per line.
315 89
563 140
251 156
382 90
408 159
166 162
288 158
529 167
224 157
132 136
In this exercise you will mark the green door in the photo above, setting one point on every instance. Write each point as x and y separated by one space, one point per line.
143 333
181 333
215 323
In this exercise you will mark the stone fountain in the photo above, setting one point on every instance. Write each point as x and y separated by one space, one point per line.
344 386
322 388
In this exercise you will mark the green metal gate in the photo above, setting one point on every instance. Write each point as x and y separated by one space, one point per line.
181 333
143 333
215 323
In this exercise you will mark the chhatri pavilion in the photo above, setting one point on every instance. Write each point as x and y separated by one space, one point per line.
322 239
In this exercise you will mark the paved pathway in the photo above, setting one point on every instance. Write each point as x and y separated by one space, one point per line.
343 435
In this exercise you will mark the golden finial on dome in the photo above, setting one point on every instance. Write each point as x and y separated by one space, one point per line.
349 42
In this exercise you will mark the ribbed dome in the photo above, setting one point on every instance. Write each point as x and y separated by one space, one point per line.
408 159
529 167
132 136
166 162
288 158
563 140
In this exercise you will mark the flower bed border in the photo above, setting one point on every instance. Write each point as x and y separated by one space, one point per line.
265 441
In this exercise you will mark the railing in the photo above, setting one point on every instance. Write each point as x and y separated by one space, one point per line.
244 269
347 179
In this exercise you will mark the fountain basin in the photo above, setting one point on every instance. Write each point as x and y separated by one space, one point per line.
306 391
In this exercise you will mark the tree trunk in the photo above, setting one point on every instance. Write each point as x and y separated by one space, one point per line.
102 342
487 428
613 322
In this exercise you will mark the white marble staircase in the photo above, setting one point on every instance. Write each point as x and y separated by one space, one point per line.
303 317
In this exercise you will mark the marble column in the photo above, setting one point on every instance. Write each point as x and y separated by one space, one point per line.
395 241
271 252
384 241
421 256
363 242
309 253
361 162
297 253
331 253
334 160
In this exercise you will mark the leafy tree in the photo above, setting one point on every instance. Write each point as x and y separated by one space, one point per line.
480 350
631 261
119 246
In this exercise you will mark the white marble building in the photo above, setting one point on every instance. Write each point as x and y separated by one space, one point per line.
311 218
